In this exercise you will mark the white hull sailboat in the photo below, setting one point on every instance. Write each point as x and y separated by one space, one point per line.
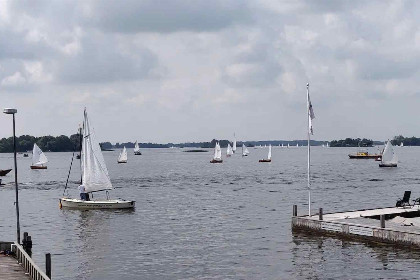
123 156
137 149
268 159
245 151
389 157
95 176
217 158
229 151
39 159
96 204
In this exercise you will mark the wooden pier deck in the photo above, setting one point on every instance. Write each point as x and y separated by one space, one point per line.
11 270
396 225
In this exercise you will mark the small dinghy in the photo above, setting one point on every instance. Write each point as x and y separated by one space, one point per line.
38 158
123 156
95 176
229 151
217 158
268 157
245 151
137 149
389 157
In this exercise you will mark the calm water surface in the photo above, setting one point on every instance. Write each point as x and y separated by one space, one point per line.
196 220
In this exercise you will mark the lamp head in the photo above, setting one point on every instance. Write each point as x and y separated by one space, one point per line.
9 111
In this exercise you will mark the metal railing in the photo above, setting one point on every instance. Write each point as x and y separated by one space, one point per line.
28 264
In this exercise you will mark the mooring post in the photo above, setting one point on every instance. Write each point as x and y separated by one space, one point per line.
48 264
382 221
320 214
294 211
24 241
28 248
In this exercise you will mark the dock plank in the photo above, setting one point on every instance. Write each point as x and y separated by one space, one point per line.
11 270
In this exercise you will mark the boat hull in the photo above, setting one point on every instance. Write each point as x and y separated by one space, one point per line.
137 153
216 161
72 203
387 165
38 167
264 160
365 156
122 161
4 172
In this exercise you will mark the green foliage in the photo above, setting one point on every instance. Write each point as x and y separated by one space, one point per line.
350 142
25 143
409 141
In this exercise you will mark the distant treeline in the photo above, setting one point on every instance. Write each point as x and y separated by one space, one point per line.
25 143
350 142
409 141
64 143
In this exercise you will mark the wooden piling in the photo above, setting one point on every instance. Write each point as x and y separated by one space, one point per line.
382 221
294 211
48 264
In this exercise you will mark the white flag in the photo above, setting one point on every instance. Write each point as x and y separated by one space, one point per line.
311 115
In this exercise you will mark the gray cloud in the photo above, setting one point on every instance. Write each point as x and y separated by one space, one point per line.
219 66
133 16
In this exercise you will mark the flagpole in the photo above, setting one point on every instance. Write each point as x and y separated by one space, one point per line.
309 149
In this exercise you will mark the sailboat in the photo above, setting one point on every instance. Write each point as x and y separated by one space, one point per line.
268 157
234 144
95 176
123 156
229 151
137 149
38 158
297 145
402 144
328 144
389 157
217 158
245 151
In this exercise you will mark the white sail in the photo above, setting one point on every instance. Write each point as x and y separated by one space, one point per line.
402 144
234 144
123 155
244 150
136 147
229 151
217 152
288 146
328 144
389 155
38 157
269 152
94 172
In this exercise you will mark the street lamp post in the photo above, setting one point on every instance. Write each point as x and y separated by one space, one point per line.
10 111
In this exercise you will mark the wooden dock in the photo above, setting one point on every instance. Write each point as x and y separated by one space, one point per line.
396 225
11 270
20 266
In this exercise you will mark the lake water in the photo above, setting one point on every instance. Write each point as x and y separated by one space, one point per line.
196 220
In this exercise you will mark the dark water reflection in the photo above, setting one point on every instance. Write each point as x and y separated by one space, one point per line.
195 220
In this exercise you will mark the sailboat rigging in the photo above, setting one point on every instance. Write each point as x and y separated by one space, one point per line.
95 175
123 156
38 158
137 149
217 158
268 159
389 157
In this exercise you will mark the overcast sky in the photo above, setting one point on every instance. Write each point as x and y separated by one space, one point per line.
173 71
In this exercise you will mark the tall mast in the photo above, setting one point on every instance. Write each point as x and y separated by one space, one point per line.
309 147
